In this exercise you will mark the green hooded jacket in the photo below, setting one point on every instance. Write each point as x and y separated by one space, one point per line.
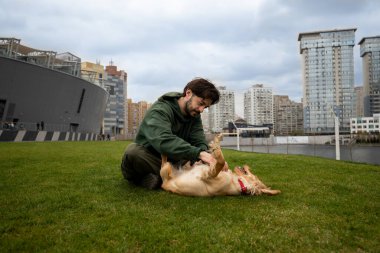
165 130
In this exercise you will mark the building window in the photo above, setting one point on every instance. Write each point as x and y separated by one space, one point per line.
81 100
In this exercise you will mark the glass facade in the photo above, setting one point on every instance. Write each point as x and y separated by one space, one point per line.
370 53
328 79
115 111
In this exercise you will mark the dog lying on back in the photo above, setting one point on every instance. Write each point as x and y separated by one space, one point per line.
212 180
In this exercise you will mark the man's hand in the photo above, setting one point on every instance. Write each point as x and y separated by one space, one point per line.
207 157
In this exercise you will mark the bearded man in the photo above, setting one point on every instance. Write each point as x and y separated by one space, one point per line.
172 127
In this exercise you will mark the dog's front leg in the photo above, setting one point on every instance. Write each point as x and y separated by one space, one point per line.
216 168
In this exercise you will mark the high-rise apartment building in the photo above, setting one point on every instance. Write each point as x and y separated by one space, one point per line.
258 105
370 53
223 112
359 101
116 114
288 116
205 121
136 113
328 79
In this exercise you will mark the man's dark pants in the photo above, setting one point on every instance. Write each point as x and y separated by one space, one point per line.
140 166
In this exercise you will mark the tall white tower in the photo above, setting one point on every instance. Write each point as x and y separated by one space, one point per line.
223 112
258 105
328 79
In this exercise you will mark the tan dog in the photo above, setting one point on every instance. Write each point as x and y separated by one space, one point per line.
211 180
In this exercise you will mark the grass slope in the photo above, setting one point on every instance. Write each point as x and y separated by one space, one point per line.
71 197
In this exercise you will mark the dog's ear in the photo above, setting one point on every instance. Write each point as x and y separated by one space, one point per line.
247 169
238 171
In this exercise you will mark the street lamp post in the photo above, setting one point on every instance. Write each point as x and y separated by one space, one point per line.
337 146
237 135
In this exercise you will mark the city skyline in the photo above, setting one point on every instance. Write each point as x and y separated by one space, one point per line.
164 44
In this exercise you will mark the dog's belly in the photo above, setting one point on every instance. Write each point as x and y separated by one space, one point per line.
196 182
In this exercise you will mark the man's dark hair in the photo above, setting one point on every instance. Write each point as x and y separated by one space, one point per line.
203 88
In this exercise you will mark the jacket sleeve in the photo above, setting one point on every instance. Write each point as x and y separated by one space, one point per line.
157 131
197 136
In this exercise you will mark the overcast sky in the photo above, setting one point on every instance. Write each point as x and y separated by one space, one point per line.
163 44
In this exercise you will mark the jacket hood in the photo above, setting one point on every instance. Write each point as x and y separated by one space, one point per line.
171 98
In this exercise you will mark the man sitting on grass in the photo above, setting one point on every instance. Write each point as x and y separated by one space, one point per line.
173 127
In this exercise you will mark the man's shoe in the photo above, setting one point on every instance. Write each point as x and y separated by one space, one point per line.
151 181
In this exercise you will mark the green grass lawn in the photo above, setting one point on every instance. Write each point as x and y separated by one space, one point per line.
71 197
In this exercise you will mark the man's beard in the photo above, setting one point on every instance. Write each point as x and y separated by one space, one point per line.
188 110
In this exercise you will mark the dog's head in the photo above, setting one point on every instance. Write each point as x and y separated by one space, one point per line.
257 186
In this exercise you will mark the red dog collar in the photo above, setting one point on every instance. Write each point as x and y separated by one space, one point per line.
242 186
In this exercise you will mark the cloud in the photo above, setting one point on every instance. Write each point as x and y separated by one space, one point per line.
164 44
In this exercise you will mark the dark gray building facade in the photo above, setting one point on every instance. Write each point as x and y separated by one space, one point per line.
35 98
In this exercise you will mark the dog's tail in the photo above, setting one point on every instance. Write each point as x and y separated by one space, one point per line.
270 192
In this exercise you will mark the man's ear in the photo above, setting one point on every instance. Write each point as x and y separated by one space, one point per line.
188 93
